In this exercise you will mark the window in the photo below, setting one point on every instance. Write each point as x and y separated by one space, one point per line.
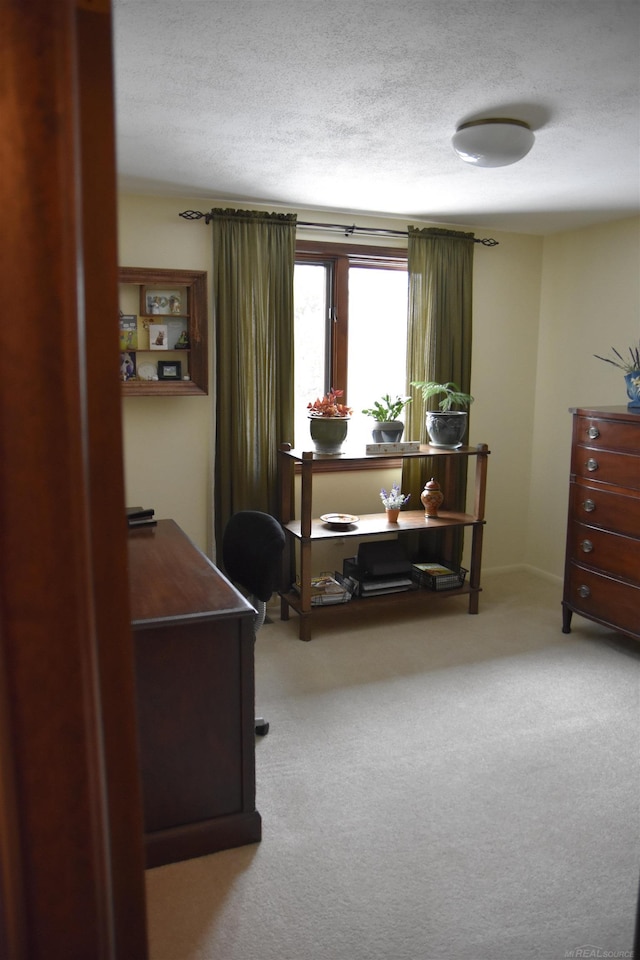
350 328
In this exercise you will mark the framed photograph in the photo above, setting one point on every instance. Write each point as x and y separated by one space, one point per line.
162 302
177 334
158 336
127 366
169 370
128 332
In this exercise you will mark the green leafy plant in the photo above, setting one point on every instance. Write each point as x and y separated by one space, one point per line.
632 365
329 406
386 409
453 395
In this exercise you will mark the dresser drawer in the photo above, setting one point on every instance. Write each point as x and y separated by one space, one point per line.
610 552
607 434
621 469
603 598
600 508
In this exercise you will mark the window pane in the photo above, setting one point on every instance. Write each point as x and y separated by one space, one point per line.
310 330
377 342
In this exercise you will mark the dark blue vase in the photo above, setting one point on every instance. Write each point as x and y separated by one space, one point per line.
632 381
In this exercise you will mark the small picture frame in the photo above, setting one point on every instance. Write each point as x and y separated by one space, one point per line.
162 302
169 370
158 336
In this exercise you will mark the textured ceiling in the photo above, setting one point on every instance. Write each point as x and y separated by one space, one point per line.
350 105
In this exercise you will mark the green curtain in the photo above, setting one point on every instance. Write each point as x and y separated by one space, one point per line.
253 261
440 266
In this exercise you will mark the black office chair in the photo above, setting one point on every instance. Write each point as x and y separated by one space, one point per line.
252 545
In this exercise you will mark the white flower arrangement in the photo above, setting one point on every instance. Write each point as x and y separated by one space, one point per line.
394 499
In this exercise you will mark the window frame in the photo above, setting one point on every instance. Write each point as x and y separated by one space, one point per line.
339 257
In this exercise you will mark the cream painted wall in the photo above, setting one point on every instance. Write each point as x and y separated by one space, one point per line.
536 303
506 293
168 440
590 301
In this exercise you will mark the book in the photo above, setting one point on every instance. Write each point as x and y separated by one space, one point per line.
433 569
128 332
140 517
141 522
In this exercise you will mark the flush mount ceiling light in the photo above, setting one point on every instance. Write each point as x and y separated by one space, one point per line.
493 143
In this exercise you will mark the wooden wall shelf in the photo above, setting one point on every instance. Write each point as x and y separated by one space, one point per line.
187 313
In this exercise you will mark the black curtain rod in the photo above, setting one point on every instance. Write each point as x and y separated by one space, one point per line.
343 228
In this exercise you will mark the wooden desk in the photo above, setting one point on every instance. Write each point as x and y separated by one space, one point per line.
194 653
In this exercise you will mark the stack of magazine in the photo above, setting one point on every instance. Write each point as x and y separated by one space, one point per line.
328 588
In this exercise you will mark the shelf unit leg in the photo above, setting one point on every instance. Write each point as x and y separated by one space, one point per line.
305 590
284 609
476 562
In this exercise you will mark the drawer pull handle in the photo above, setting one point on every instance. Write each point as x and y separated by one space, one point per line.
591 464
587 546
589 506
583 590
593 433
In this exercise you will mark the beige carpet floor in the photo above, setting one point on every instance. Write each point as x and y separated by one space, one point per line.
449 787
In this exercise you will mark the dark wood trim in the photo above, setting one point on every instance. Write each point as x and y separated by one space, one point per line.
354 251
72 883
115 662
337 465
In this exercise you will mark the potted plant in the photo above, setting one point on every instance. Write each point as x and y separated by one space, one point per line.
328 421
385 412
447 426
631 369
393 501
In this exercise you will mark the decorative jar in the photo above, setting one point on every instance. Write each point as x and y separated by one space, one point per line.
432 498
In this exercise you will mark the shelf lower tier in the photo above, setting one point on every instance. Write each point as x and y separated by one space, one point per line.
377 523
357 606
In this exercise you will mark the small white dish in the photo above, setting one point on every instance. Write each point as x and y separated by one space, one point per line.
340 521
147 371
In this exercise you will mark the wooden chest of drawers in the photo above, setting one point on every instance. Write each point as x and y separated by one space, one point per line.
602 567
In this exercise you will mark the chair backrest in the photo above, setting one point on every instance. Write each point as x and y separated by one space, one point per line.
252 546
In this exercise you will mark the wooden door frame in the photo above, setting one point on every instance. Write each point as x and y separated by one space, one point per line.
71 855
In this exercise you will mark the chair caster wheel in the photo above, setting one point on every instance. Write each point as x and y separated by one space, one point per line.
262 727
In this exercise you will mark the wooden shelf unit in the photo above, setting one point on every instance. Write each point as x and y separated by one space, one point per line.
308 530
193 284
